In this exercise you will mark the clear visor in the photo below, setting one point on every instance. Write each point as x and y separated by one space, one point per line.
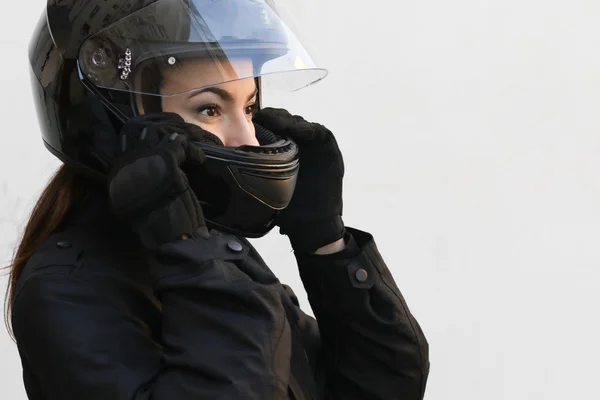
179 46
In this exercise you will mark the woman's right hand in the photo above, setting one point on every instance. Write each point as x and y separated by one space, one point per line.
146 185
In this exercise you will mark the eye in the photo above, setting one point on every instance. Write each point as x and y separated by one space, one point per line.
251 109
209 110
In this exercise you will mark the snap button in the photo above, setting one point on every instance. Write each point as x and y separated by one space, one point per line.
361 275
234 246
63 245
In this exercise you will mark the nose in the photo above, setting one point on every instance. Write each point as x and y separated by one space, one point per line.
240 132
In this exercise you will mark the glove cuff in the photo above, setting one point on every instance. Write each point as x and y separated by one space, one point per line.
309 236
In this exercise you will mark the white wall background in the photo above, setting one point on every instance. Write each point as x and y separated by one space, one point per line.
470 131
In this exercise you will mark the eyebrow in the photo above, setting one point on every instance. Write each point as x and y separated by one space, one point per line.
222 93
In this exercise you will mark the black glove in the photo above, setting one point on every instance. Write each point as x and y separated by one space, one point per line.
313 218
146 185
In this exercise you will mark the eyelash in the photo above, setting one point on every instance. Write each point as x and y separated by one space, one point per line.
251 109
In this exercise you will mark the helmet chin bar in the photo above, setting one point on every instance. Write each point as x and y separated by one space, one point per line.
274 192
243 198
242 189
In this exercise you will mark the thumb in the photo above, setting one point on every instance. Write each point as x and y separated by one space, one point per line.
276 120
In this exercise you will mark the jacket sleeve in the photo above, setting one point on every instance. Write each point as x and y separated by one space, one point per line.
223 336
372 346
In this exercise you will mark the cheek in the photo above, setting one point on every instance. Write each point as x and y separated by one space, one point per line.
235 130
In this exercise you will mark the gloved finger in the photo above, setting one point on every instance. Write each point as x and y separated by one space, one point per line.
168 129
191 131
149 137
179 146
321 133
281 122
193 153
195 132
153 123
148 120
172 144
156 117
134 140
276 120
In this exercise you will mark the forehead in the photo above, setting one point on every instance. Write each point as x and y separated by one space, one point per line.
187 75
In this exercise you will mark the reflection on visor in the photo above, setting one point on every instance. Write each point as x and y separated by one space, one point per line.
136 52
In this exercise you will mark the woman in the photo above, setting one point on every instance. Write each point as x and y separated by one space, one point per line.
134 279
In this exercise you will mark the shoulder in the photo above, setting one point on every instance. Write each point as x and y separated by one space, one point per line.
78 277
82 257
61 253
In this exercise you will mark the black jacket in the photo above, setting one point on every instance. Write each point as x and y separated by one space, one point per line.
97 317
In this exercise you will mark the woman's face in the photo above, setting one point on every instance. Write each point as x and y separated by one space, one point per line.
224 110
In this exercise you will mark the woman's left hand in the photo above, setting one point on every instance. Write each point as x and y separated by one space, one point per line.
313 217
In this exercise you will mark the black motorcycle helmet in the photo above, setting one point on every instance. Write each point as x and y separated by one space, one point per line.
93 57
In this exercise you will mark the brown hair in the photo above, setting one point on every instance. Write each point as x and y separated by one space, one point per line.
56 201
